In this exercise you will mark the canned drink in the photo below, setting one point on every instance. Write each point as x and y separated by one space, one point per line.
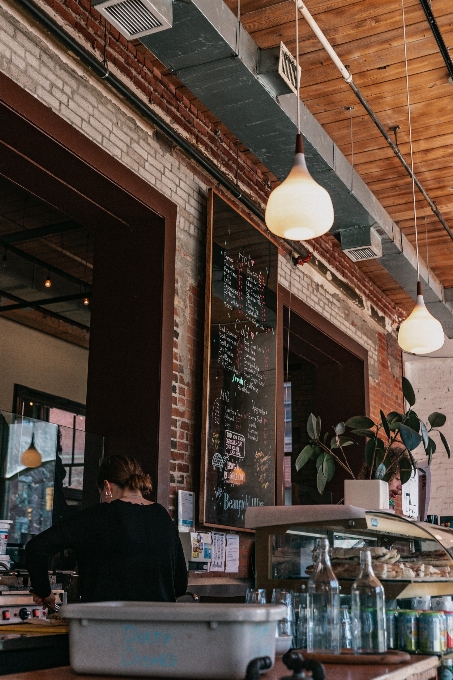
446 670
391 624
408 630
449 630
432 632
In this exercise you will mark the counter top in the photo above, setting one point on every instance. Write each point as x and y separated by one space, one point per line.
419 668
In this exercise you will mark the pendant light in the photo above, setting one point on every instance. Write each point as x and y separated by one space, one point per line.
299 208
420 333
31 458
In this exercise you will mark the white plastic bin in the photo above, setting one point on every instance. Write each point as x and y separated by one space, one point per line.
170 639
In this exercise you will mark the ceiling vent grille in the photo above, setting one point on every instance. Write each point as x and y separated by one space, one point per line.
136 18
361 243
357 254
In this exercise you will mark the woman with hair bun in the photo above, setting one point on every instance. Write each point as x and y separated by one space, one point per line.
127 547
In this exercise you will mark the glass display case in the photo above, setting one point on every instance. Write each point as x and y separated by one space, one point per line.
410 558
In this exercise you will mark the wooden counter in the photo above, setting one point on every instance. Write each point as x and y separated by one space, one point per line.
420 668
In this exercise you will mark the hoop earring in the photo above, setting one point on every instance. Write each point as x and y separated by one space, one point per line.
108 494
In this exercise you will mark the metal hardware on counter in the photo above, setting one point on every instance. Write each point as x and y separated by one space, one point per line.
188 597
256 666
294 661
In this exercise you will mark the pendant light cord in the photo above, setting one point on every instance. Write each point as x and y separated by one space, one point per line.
410 138
297 67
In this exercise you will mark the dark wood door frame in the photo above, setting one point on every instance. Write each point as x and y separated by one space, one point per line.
320 324
46 156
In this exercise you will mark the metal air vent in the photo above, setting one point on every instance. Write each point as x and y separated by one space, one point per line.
361 243
136 18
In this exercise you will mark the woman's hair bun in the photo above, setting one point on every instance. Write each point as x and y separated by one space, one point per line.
139 481
123 471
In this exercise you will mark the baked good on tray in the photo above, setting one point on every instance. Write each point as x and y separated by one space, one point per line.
390 564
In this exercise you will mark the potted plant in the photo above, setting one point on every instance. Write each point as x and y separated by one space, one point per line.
388 448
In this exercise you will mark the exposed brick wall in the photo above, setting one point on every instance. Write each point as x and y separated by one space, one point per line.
331 284
432 380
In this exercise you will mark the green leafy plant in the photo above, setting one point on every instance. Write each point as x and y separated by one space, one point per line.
389 445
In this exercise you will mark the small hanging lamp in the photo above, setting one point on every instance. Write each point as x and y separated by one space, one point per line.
299 209
31 458
420 333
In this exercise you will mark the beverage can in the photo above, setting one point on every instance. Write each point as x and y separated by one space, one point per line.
446 670
408 630
449 630
3 541
432 632
391 624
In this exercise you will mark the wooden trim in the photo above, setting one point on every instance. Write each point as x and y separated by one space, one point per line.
286 299
279 410
63 138
22 392
46 155
206 356
321 323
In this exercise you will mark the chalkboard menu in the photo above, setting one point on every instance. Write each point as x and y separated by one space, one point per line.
240 368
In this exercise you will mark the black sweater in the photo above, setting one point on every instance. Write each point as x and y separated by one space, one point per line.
124 552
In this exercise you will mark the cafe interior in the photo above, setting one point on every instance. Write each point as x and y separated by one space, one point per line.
242 225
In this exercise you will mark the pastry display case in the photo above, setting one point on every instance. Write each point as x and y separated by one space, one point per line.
410 558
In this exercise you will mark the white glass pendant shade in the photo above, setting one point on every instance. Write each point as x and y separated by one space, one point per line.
31 458
420 333
299 208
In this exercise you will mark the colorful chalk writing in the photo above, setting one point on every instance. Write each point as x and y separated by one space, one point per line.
241 409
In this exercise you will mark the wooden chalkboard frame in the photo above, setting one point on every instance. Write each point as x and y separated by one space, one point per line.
206 357
212 195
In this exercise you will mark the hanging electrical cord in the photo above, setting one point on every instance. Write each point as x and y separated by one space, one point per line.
88 59
411 150
420 332
347 77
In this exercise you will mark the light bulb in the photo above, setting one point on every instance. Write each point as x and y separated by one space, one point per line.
420 333
86 301
47 283
31 458
299 208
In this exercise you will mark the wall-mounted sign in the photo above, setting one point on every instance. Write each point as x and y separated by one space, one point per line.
240 368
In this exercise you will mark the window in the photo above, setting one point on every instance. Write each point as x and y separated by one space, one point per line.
70 416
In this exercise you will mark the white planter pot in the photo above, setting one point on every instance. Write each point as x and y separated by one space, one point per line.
371 494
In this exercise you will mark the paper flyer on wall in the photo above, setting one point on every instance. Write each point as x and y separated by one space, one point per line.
185 510
218 552
232 553
200 547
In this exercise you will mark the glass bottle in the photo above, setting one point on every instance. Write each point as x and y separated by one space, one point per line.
323 605
368 610
346 630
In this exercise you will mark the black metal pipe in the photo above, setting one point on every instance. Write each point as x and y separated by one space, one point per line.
48 312
400 157
4 243
44 301
438 36
103 72
89 60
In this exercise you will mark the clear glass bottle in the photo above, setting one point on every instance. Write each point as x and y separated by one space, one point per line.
368 610
323 605
346 629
